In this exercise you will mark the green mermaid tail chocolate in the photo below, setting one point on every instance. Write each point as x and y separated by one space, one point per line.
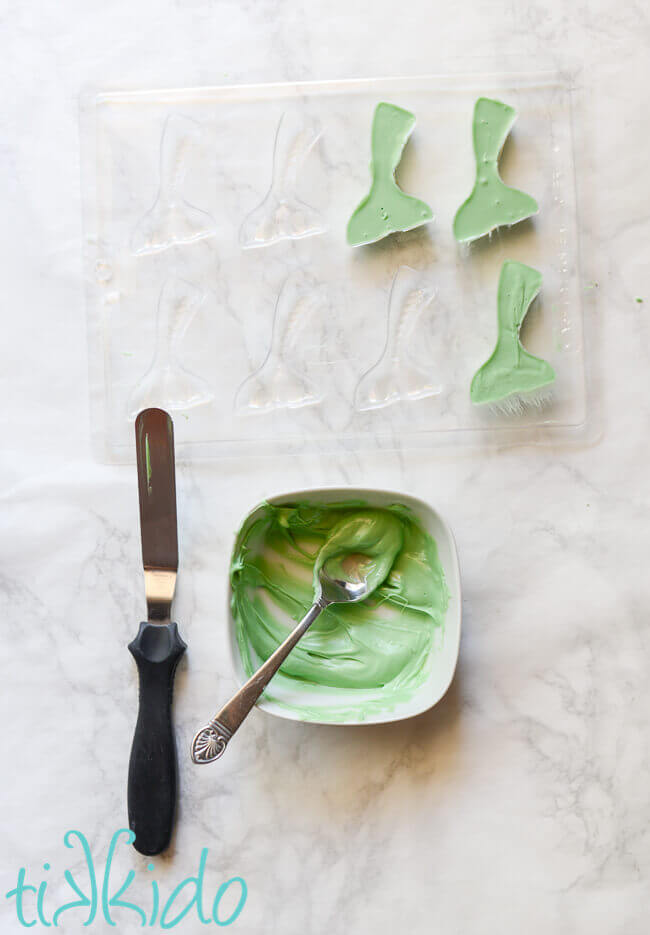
512 372
492 202
386 208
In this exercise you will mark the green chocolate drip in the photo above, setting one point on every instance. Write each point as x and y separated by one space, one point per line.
379 646
386 208
512 370
492 202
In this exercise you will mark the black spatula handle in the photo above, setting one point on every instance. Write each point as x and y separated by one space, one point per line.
152 767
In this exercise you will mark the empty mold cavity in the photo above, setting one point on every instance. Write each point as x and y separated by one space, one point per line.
282 381
172 219
283 215
167 383
396 376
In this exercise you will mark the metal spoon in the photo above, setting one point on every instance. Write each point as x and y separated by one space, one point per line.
341 580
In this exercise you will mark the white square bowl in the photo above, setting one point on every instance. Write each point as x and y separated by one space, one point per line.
344 706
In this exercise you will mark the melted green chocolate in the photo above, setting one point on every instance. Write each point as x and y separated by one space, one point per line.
380 645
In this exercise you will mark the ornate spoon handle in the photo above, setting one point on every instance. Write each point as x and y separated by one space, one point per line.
211 740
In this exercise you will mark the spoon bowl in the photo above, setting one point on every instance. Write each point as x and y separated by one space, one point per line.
343 578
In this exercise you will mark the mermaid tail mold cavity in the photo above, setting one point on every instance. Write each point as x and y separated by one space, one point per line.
167 382
278 383
283 215
492 203
386 208
395 376
512 377
173 220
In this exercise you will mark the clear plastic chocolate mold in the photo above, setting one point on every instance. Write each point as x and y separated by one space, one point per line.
345 373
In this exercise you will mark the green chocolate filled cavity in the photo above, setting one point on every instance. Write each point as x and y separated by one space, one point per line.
492 203
386 208
511 370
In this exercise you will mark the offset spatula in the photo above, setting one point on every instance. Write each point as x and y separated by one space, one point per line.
158 646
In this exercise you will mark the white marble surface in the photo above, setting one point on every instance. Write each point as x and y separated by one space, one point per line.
521 801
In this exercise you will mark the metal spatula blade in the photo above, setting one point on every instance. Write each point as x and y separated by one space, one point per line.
154 439
158 647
